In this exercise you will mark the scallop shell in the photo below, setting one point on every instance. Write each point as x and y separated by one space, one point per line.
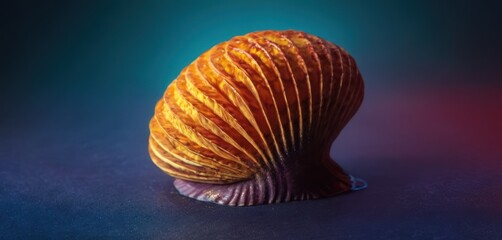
251 121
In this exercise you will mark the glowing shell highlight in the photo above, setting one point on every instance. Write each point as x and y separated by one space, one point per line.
251 121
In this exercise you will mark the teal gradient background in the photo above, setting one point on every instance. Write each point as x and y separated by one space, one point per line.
79 80
136 47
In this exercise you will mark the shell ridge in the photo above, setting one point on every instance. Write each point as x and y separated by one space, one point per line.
346 100
349 102
303 67
159 163
258 97
343 90
202 155
295 84
308 78
281 81
206 122
233 63
291 54
190 153
271 188
235 195
251 195
243 195
244 107
233 94
175 168
230 102
321 79
188 131
273 67
326 79
165 166
356 102
334 87
218 162
163 157
355 99
196 136
167 149
226 116
254 64
343 108
331 80
284 185
263 187
336 106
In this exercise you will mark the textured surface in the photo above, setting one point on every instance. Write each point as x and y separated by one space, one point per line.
257 115
79 79
431 158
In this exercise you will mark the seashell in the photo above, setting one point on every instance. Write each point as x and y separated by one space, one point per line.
251 121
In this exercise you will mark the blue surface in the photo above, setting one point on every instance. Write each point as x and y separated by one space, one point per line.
89 175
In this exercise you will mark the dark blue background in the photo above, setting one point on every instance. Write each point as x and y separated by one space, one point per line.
80 79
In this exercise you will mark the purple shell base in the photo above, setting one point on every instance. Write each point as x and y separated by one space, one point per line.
284 185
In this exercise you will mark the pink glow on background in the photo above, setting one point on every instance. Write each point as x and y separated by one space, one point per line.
444 139
419 122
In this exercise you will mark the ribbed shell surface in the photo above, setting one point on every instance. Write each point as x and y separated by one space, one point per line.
246 105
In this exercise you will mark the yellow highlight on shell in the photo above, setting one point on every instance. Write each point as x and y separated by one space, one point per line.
251 121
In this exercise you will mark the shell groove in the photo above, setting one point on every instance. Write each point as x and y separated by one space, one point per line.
251 120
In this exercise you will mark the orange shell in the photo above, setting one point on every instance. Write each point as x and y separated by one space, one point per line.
266 105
